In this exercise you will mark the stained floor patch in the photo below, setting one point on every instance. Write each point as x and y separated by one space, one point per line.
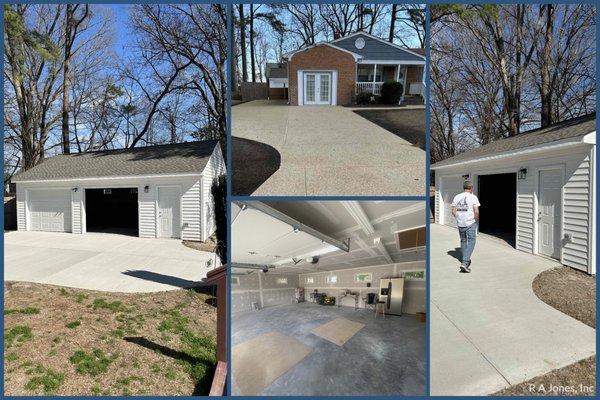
338 331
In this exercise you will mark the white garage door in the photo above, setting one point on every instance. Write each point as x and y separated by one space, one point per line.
50 210
451 186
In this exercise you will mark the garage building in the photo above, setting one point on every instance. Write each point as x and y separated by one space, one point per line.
306 279
536 190
156 191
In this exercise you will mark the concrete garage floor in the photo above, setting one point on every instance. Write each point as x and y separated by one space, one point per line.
489 330
386 357
328 150
106 262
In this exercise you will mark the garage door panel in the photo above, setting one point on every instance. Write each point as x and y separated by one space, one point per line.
50 210
451 186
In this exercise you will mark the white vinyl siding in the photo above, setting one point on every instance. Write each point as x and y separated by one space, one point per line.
577 197
77 211
190 213
214 167
21 204
147 213
576 222
524 238
437 200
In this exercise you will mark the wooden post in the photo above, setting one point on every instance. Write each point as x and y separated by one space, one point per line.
218 277
374 77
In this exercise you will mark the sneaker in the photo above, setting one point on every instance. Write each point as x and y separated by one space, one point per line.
465 268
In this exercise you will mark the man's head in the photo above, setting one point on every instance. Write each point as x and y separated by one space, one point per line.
468 186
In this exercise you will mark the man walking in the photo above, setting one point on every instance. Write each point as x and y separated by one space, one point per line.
465 208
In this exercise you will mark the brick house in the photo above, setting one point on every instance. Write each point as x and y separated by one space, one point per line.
333 73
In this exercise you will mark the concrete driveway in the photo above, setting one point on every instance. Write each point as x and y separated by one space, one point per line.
488 329
329 150
106 262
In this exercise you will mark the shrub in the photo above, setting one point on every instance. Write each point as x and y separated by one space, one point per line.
219 193
366 98
391 92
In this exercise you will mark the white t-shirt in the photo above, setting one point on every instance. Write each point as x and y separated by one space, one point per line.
464 203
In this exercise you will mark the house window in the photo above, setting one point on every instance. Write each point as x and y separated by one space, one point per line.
414 275
310 279
282 281
235 280
363 277
332 279
365 72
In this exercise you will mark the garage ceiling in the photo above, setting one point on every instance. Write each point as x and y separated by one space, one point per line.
370 225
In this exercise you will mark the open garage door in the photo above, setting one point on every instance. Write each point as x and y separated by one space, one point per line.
112 210
498 197
451 186
49 210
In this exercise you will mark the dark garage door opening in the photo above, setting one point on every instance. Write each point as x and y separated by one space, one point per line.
112 210
498 211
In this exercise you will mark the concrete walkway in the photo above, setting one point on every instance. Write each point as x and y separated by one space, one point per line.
488 329
106 262
329 150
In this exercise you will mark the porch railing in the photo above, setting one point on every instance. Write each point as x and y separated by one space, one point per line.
369 87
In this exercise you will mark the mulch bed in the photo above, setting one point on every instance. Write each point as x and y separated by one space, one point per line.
574 293
408 124
64 341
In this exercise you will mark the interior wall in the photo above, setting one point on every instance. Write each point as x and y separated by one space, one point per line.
262 289
414 290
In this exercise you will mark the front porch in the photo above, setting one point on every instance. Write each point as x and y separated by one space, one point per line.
371 76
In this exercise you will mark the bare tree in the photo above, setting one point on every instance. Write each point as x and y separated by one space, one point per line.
340 18
72 25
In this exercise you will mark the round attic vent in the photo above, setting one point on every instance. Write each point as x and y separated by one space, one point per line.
359 43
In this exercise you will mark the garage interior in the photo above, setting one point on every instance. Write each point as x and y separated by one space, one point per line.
112 210
310 283
498 196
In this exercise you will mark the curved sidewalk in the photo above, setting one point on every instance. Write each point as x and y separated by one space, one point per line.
488 329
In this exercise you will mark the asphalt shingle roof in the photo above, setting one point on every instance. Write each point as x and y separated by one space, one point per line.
277 70
181 158
571 128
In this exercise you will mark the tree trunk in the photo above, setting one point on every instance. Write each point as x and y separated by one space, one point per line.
393 23
545 89
66 143
243 43
252 54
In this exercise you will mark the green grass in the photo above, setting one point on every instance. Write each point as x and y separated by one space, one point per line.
73 324
19 333
112 306
45 378
94 363
118 333
56 340
80 297
63 292
24 311
174 322
12 357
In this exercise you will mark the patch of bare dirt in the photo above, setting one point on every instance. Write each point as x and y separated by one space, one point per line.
574 293
209 246
135 344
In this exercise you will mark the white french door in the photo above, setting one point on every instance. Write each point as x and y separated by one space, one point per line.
317 88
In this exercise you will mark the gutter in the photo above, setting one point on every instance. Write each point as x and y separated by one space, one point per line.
566 143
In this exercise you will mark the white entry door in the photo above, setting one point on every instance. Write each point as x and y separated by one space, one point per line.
549 212
451 186
317 88
168 211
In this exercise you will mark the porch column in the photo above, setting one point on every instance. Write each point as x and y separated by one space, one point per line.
374 78
398 80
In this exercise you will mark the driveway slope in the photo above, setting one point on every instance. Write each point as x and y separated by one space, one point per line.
488 329
106 262
329 151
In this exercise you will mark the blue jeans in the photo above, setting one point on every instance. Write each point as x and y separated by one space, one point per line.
467 242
